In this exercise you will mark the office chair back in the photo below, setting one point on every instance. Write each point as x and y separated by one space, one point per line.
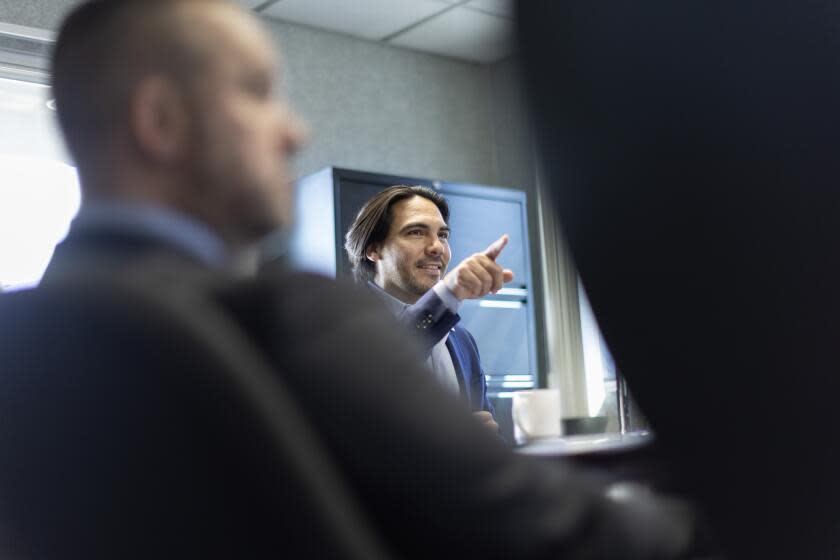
136 425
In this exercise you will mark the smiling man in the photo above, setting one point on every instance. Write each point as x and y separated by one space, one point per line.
399 245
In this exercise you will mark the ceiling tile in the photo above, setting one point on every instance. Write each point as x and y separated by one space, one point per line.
369 19
462 33
496 7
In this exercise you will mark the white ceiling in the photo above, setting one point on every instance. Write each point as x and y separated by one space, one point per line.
473 30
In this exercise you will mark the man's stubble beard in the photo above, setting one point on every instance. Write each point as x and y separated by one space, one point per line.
411 284
221 179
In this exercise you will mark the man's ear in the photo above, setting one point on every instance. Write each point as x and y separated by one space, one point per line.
372 253
159 118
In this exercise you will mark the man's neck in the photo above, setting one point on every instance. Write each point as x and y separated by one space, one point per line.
396 292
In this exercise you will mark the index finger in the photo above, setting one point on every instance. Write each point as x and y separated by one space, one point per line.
496 247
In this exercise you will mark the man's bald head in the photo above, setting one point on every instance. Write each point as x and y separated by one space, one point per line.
174 103
104 48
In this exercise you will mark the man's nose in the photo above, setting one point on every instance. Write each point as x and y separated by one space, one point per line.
293 131
435 247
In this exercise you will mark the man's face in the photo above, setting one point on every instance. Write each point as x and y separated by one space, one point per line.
415 254
243 133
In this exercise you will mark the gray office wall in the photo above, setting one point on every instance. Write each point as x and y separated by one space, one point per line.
513 147
370 106
380 108
44 14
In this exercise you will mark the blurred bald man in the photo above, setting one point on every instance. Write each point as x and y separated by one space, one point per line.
170 110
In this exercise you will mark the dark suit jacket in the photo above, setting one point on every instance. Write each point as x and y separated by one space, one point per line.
430 316
692 148
434 482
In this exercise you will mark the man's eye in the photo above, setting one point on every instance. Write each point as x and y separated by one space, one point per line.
257 86
415 233
444 236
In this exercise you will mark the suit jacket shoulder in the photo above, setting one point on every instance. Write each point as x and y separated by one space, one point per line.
123 255
431 317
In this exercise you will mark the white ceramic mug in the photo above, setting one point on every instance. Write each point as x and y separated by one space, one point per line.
536 414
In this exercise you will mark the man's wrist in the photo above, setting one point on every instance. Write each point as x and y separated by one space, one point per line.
450 300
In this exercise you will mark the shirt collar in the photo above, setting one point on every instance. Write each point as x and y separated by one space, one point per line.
396 306
159 222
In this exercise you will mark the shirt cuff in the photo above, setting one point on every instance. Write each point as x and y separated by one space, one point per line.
448 298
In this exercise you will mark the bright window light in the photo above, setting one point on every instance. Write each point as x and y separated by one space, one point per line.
593 358
38 199
500 304
39 189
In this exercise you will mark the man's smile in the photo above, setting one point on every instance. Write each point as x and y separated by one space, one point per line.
431 268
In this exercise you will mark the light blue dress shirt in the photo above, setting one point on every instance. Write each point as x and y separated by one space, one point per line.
439 361
164 224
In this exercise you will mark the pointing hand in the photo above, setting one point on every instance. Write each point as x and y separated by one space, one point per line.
478 275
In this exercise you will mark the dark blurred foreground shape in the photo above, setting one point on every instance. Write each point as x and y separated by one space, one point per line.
694 152
213 419
139 426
